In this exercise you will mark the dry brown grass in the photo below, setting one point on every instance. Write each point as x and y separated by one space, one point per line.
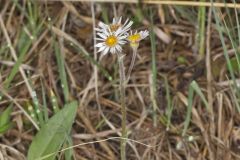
216 134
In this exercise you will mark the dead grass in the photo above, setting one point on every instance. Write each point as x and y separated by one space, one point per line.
214 135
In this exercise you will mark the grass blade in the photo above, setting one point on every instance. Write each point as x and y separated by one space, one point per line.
189 110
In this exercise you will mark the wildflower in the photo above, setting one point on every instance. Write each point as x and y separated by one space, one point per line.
135 38
110 41
112 36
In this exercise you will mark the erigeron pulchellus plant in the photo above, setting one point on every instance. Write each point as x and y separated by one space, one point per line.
111 39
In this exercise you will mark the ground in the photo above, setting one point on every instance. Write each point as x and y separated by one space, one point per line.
58 92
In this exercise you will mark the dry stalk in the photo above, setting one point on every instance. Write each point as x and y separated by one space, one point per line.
167 2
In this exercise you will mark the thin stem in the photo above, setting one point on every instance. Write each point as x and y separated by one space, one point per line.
123 104
132 64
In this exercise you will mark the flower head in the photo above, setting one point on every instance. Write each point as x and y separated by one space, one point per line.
112 36
110 41
135 38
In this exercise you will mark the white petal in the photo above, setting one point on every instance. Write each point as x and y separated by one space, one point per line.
119 48
121 42
99 29
115 50
112 49
100 39
124 28
143 34
125 22
102 25
122 37
99 44
114 20
101 49
105 51
102 35
127 27
119 20
118 31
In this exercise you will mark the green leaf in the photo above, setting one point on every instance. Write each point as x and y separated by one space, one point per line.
189 110
197 89
5 116
5 119
5 127
53 134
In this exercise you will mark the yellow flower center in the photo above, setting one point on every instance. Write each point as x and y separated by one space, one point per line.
114 27
111 41
135 38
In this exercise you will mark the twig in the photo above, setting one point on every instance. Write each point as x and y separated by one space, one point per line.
98 141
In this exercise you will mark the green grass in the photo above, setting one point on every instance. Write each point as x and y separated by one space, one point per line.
61 69
5 121
189 110
222 29
194 87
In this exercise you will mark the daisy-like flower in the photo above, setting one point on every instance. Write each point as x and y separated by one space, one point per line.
112 36
110 41
135 38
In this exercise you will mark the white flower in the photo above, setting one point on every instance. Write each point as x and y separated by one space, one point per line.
110 41
112 36
135 38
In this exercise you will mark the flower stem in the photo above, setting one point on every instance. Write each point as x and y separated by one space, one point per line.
123 105
132 64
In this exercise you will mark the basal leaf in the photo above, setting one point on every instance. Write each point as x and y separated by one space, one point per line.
53 134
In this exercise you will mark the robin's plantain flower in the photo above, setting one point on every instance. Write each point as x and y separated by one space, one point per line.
135 38
113 36
110 42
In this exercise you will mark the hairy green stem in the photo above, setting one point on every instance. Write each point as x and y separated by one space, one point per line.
123 105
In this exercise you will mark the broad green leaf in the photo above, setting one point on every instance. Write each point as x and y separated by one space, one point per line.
53 134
